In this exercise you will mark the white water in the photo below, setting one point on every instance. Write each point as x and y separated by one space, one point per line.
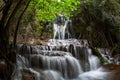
94 75
107 55
93 60
52 75
59 30
60 59
91 75
23 64
36 74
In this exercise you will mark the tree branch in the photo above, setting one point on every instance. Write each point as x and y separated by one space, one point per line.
18 22
5 1
4 17
12 14
2 7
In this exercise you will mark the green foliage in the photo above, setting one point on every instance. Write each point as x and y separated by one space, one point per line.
98 21
41 13
46 10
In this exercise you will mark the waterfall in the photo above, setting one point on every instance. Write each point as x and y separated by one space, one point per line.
93 60
68 66
62 58
59 30
23 64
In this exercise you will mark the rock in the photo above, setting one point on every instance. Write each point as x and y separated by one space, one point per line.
117 58
29 75
109 67
3 69
26 75
113 70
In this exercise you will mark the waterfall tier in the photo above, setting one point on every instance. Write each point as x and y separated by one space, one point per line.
70 58
62 58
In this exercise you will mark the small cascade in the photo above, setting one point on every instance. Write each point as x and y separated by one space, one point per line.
55 60
71 57
23 64
79 49
59 30
68 66
109 57
93 61
62 58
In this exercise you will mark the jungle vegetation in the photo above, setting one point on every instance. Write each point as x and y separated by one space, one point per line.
98 21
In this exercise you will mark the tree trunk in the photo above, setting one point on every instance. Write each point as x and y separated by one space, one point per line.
7 50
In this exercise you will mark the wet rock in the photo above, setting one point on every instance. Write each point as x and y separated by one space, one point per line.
32 74
110 67
36 61
26 75
3 69
113 70
117 59
37 42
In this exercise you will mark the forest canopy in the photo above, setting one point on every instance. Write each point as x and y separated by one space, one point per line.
46 10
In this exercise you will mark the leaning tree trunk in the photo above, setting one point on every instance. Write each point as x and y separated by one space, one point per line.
12 9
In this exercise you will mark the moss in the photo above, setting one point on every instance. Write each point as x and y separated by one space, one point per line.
97 53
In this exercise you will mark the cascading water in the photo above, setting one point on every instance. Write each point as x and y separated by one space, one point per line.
108 56
93 61
60 59
61 29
